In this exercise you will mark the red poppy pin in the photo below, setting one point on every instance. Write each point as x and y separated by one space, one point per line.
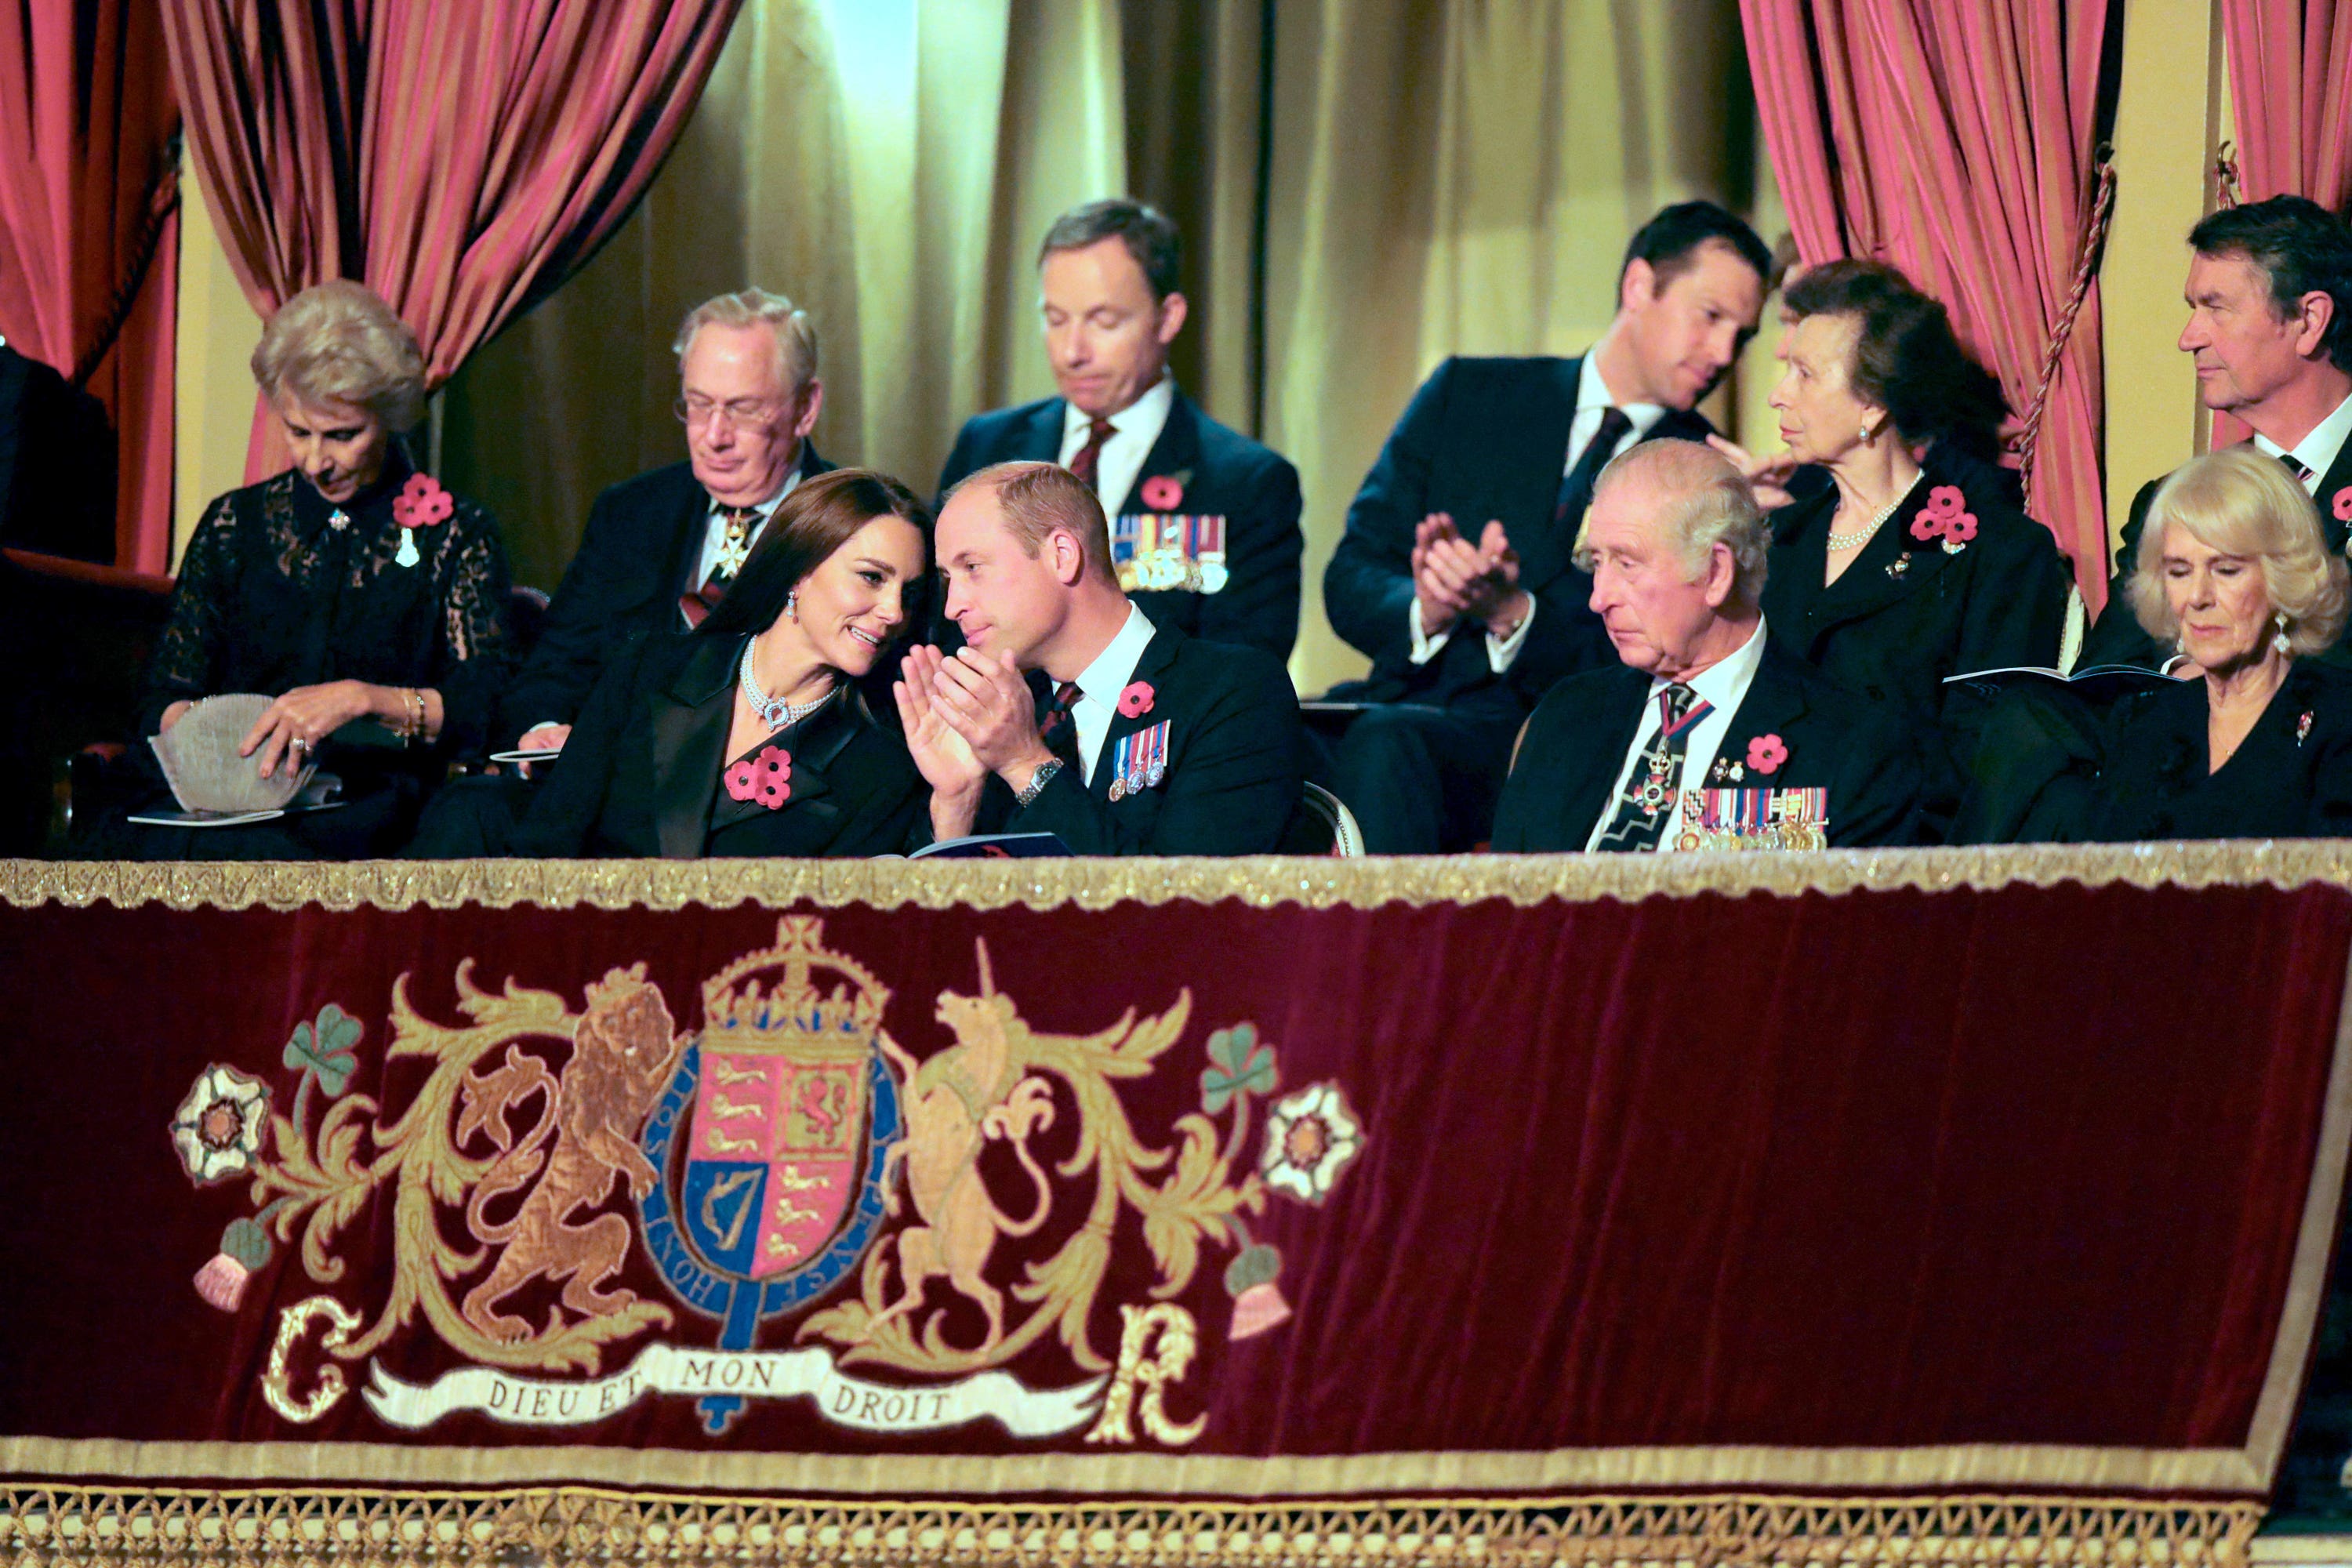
1946 517
767 777
2342 504
1163 492
1136 700
422 503
1766 753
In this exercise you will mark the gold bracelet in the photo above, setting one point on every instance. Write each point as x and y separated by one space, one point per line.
413 704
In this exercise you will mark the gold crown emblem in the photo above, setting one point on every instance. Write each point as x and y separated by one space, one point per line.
794 1014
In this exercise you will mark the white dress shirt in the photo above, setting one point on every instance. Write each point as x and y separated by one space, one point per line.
2317 452
1724 686
714 528
1101 683
1133 429
1593 400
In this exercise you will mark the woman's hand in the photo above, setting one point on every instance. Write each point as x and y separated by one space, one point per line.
293 726
942 756
175 713
1769 476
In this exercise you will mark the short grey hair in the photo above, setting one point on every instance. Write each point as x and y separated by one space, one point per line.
795 333
2242 503
338 342
1707 503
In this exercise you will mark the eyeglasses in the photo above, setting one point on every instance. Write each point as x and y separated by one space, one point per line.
741 412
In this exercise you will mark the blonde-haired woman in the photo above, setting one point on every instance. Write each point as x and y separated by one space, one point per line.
2233 570
362 598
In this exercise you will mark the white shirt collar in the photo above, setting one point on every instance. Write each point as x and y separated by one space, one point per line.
1108 675
1592 392
2317 450
1723 685
1147 413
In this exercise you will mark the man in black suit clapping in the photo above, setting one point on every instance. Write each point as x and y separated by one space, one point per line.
1456 575
1708 735
1205 520
1145 741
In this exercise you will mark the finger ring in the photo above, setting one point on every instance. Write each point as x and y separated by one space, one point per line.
300 745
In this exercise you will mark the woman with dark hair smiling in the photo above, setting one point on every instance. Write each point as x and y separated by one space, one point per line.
749 736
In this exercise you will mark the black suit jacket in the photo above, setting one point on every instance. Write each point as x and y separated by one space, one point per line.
1575 745
640 775
1483 438
643 540
2117 638
1222 473
1233 764
56 463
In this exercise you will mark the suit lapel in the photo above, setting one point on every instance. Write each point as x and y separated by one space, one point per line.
1774 705
1590 795
2337 477
1176 452
1892 567
690 721
1545 553
687 534
1039 439
1153 668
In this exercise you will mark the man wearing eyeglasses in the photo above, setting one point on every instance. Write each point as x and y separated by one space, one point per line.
662 548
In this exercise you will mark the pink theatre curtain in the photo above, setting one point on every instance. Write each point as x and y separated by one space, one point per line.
460 157
2291 92
88 238
1956 141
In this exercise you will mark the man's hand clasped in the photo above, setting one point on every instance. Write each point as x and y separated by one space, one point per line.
1455 580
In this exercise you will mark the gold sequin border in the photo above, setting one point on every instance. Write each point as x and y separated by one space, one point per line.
102 1527
1260 881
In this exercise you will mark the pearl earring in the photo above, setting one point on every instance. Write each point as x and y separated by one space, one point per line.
2279 644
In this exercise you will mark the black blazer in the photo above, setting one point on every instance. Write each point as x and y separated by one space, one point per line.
1222 473
2117 638
1483 438
1233 762
2291 777
644 539
640 775
56 463
1576 743
1905 613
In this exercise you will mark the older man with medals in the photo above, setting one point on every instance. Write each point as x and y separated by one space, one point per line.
1708 735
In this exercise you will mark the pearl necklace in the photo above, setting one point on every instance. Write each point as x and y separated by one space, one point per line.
1861 535
773 711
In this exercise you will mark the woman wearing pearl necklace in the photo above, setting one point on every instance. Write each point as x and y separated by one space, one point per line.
749 736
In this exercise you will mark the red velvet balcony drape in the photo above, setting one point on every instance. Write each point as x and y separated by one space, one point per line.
461 158
87 117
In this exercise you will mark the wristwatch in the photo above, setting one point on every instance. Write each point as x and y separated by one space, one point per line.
1027 794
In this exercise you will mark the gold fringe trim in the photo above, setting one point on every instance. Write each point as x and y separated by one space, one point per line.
1261 881
103 1527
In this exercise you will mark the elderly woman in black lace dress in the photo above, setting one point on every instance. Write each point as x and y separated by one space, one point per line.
366 601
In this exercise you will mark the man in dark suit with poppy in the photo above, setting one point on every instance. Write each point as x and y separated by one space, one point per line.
1708 734
1456 574
1146 742
2270 323
1205 520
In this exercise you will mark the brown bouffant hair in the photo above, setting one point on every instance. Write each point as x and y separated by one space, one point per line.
818 518
1038 497
1906 358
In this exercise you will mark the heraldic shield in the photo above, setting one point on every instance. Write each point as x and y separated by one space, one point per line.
785 1114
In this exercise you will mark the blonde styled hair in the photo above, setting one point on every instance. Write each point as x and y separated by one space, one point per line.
1712 503
795 333
2243 504
338 342
1036 499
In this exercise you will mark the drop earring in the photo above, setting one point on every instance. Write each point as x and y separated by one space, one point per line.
793 603
2279 644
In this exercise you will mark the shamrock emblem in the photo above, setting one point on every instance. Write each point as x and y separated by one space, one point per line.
766 777
422 503
1239 1065
1766 753
1944 516
1162 492
1136 700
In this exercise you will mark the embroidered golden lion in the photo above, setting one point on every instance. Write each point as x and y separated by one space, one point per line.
622 1051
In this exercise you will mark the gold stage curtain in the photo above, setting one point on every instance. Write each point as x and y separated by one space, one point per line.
1365 187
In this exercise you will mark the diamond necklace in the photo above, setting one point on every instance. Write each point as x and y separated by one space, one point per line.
1861 535
773 711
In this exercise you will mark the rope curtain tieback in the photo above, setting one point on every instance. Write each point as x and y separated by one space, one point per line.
2086 267
2227 192
162 201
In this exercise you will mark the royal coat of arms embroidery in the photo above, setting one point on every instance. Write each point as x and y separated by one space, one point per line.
790 1150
